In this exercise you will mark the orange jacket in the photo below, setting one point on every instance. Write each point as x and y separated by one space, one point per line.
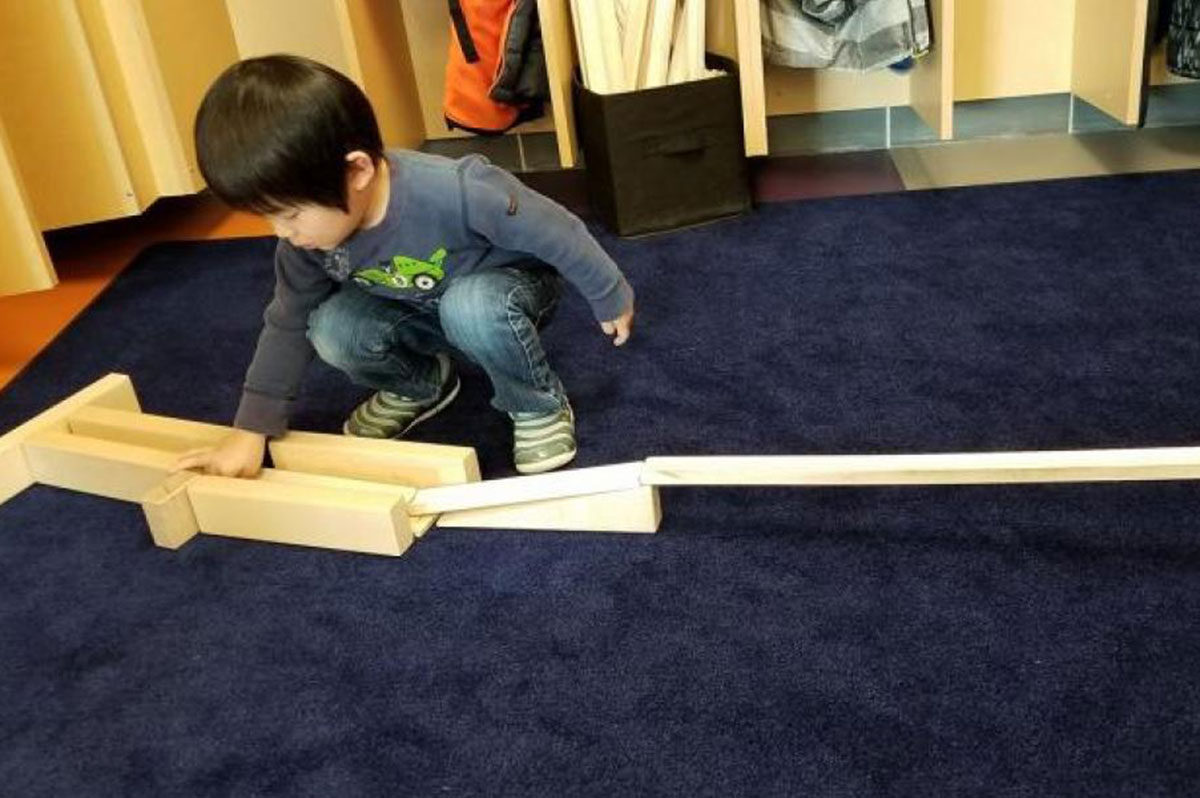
496 70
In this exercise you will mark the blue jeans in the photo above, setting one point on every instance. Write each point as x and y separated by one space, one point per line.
491 317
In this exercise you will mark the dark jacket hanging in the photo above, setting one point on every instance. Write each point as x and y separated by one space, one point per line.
1183 38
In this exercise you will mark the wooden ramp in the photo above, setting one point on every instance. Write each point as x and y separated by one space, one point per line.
371 496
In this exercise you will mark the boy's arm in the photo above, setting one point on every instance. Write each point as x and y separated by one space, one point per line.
510 215
283 351
275 372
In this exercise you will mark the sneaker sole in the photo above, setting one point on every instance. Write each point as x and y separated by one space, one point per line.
430 413
549 464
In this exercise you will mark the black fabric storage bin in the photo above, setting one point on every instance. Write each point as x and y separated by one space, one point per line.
666 157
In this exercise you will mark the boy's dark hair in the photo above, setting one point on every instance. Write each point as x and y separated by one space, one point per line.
275 131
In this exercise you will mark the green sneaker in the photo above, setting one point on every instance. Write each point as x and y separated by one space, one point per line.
390 415
543 441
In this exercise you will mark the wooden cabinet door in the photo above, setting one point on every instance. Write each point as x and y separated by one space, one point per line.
1110 50
25 265
51 102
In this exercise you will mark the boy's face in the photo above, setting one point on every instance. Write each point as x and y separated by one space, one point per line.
311 226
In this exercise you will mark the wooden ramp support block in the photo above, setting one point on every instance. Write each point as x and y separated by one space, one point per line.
395 462
601 499
325 512
420 524
1094 465
169 512
633 510
113 391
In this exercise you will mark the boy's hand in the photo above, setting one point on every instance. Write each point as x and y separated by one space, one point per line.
240 454
620 327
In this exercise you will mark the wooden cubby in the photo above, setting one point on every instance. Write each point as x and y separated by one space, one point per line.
97 96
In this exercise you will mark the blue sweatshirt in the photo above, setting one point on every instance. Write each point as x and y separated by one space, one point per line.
445 218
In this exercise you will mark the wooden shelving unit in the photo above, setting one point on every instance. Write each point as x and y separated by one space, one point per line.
97 96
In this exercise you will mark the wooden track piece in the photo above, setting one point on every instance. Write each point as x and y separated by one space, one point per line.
1095 465
518 490
634 510
397 462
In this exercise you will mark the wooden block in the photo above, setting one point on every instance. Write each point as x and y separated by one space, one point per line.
114 390
518 490
142 429
280 511
169 511
420 523
397 462
1097 465
635 510
104 468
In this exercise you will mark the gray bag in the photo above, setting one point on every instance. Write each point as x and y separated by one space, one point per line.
843 34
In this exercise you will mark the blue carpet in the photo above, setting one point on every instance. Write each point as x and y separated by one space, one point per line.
1015 640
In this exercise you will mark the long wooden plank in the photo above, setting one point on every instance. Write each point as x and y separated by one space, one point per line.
677 64
750 73
398 462
113 390
104 468
657 57
1097 465
634 43
301 514
517 490
610 43
635 510
587 23
556 41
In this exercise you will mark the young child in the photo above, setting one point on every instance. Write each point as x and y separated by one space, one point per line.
388 262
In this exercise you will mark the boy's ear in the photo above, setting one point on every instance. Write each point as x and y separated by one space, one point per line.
360 169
